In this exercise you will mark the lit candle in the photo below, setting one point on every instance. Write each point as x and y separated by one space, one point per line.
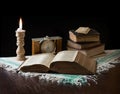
20 23
20 26
20 34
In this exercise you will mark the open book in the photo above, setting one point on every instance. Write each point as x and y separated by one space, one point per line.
69 62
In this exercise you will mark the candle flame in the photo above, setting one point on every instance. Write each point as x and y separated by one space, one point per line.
20 23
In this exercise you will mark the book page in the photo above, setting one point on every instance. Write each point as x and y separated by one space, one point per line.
44 59
65 56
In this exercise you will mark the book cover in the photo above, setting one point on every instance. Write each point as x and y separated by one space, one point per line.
90 51
83 45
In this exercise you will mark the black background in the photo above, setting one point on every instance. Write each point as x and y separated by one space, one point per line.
40 26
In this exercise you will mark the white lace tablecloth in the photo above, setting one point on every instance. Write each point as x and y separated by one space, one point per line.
104 63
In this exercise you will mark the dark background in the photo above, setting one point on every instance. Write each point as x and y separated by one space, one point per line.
40 26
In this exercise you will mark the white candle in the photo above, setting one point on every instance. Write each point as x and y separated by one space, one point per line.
20 34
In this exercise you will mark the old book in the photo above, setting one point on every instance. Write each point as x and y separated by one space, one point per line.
91 36
92 51
83 45
83 30
69 62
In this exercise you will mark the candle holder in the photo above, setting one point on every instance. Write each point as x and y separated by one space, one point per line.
20 43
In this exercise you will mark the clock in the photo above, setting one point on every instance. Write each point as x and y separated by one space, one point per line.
47 45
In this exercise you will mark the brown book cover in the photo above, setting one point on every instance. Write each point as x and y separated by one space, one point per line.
91 51
91 36
83 45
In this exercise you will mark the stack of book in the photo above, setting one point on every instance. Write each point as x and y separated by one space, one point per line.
86 40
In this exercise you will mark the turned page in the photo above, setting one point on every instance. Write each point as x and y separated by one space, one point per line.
43 59
65 56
